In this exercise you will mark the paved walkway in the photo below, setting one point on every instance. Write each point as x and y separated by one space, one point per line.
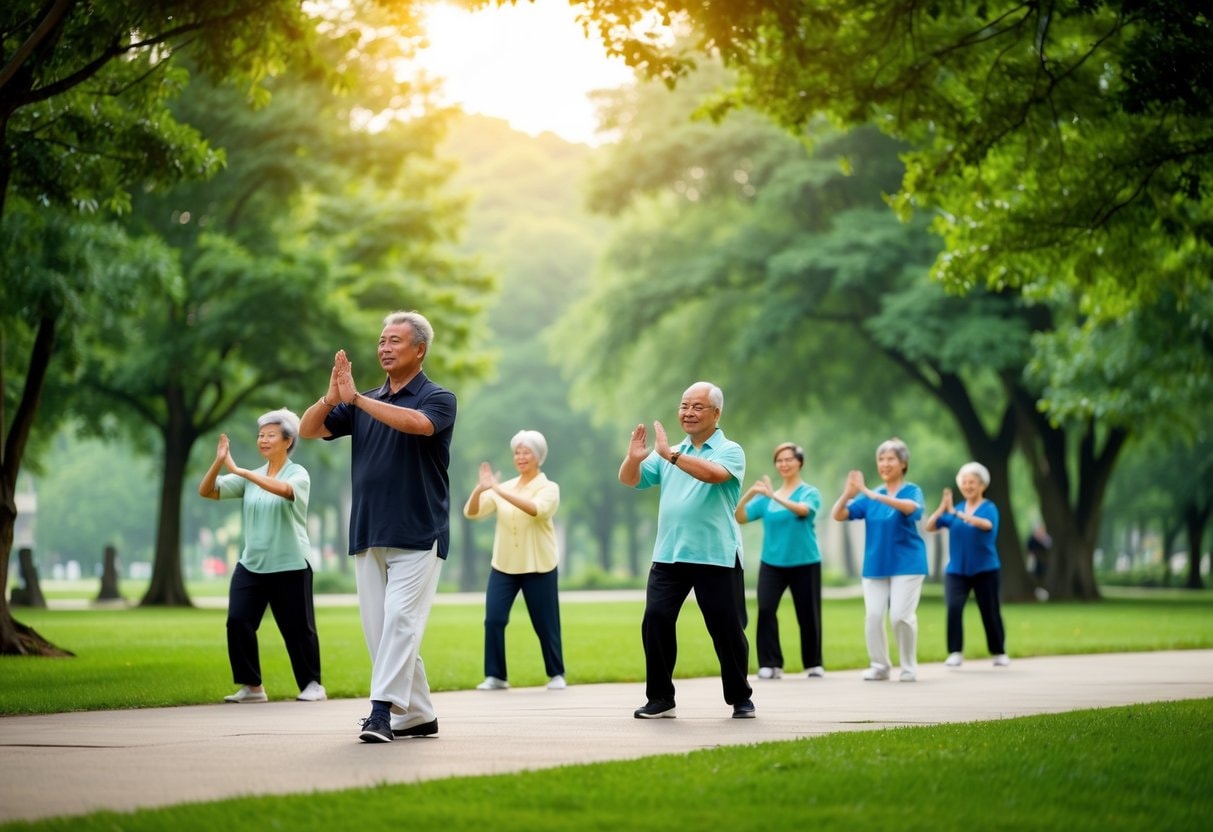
66 764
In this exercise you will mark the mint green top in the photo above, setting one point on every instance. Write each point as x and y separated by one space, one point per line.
695 521
275 529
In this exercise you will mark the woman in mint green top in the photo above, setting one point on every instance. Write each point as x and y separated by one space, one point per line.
790 560
273 570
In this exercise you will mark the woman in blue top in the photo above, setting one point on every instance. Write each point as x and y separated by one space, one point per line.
894 557
273 570
973 563
790 559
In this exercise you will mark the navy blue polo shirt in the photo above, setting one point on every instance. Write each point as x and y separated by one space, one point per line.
401 490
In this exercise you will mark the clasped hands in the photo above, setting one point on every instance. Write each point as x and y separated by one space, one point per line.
341 379
638 448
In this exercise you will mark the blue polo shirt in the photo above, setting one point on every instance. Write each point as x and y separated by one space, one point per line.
970 550
892 544
695 521
401 490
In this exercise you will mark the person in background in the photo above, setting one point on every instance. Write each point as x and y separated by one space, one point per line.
524 557
973 564
791 559
894 557
273 569
698 548
400 513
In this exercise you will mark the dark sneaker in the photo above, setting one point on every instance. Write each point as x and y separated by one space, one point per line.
744 710
656 709
376 729
425 729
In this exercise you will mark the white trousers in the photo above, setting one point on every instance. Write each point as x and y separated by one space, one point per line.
898 596
396 590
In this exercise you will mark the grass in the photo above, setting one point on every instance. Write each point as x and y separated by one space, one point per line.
131 658
1143 767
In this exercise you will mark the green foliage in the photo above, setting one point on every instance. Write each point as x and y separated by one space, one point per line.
1059 146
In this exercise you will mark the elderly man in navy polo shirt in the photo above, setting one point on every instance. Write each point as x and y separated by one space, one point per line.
399 519
698 547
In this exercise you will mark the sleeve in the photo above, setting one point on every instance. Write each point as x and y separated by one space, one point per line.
732 457
913 492
756 508
488 505
547 500
811 497
230 486
439 408
990 512
301 484
650 471
946 520
858 508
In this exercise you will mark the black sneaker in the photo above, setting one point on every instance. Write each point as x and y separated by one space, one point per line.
656 709
376 729
744 710
425 729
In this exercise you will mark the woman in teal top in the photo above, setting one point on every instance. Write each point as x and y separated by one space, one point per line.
273 570
790 559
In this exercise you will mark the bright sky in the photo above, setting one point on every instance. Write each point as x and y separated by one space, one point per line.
529 64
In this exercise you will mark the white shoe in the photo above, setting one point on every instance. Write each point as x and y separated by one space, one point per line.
908 676
557 683
314 692
954 660
818 672
247 694
770 673
876 673
493 683
1002 660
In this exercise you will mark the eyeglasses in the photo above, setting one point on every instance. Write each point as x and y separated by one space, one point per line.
694 408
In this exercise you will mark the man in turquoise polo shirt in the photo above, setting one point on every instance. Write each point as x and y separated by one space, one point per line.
698 547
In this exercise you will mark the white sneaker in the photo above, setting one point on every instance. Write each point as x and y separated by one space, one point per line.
314 692
955 660
1002 660
493 683
908 676
818 672
875 673
247 694
557 683
770 673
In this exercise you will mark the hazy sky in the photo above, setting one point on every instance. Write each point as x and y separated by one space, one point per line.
529 64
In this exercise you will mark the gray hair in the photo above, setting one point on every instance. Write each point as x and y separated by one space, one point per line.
715 394
976 469
286 420
423 333
534 440
897 447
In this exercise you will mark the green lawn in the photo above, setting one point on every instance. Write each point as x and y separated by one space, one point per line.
1137 768
1133 768
132 658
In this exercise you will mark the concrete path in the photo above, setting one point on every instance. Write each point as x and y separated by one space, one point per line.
66 764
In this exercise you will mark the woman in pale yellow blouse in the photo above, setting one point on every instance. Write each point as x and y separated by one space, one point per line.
524 557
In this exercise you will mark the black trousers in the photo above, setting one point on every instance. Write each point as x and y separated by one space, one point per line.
289 597
720 593
805 583
539 590
985 588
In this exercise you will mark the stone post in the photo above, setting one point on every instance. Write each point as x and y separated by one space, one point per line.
30 593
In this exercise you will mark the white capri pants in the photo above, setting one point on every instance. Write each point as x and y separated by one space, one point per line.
897 595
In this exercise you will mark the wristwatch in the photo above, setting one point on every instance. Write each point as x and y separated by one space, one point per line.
674 457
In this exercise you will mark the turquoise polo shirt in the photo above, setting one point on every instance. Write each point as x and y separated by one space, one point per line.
275 528
695 520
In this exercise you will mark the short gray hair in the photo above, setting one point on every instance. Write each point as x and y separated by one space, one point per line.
715 394
286 420
423 333
534 440
897 447
976 469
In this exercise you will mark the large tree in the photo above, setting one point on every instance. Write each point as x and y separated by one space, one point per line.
1059 144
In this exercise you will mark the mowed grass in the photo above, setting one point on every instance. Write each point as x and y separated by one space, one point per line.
1142 767
132 658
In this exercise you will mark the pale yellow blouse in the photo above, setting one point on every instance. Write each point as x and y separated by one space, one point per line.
523 543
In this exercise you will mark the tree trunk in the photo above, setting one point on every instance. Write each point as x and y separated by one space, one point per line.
602 524
469 574
167 587
16 639
1196 518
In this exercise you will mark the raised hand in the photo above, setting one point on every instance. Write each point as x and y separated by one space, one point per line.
638 447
